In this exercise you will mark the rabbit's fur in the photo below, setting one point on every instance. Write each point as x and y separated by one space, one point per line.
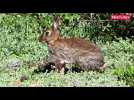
71 50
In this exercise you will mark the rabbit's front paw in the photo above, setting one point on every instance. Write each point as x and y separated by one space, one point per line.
62 71
60 68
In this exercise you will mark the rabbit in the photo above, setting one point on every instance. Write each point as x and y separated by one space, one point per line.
64 51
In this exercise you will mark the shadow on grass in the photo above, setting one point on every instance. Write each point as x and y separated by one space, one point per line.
49 67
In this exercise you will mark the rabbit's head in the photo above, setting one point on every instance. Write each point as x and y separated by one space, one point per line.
50 35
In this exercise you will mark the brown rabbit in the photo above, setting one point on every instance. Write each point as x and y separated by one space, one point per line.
71 50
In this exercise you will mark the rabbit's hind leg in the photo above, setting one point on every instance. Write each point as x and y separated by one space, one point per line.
92 64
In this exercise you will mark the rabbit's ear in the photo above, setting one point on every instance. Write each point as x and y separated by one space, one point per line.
56 23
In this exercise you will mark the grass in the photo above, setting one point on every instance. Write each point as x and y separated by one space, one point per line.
12 78
19 44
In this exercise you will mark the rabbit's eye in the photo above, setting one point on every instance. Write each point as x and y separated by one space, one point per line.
47 33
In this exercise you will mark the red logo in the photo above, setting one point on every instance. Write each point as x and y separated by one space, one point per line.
120 16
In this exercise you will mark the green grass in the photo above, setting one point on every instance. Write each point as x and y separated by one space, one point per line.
18 42
126 74
84 79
